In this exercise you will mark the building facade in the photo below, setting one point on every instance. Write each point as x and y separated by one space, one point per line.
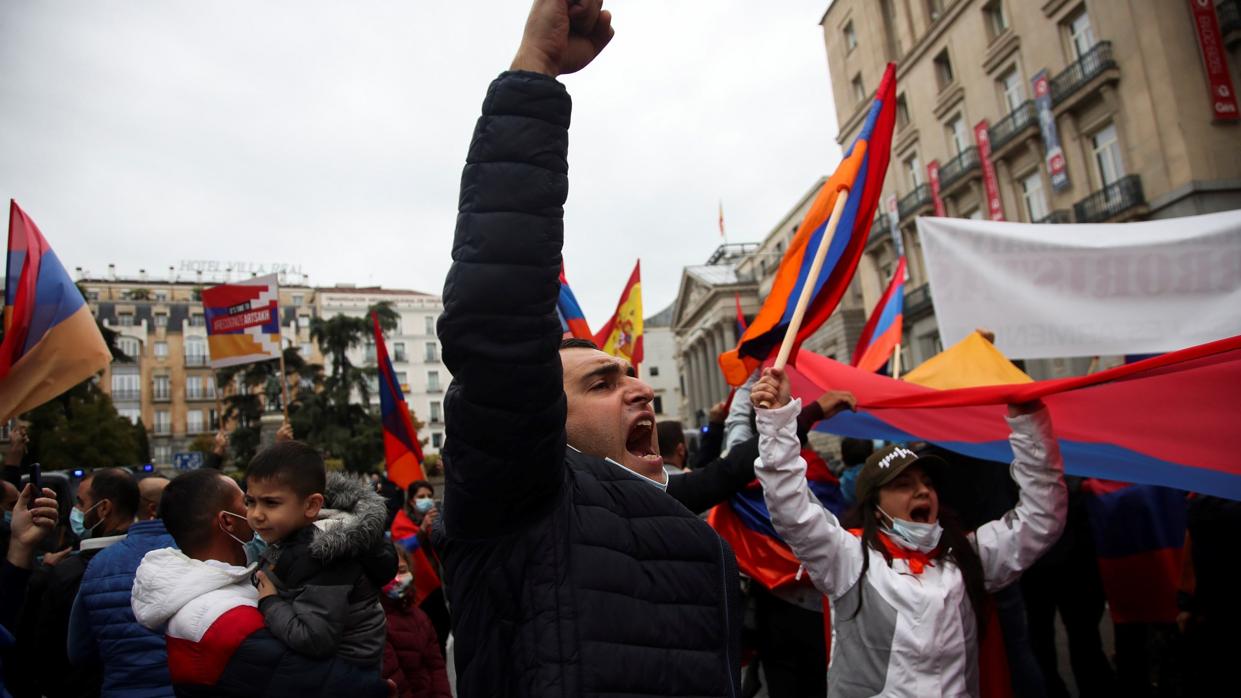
169 385
659 364
413 348
1129 103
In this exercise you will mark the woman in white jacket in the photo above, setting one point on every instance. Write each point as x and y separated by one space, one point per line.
907 589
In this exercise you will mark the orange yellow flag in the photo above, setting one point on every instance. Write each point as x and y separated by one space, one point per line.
622 335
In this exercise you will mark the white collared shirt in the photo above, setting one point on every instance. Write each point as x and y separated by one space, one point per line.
661 485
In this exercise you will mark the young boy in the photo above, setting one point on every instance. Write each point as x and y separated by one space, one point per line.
326 560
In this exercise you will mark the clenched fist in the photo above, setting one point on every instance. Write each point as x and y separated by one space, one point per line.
563 36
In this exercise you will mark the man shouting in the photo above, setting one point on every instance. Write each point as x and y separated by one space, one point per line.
569 570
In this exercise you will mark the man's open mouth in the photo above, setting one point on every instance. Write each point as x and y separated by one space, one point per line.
920 513
639 441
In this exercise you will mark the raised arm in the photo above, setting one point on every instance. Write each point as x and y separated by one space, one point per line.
506 405
831 555
1012 543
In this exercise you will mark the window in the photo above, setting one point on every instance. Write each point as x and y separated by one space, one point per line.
194 388
892 35
913 170
850 38
902 112
659 404
1032 194
298 299
1081 35
304 350
125 319
161 296
133 414
370 351
997 21
1107 155
196 320
958 138
398 351
129 347
859 91
209 386
161 319
430 326
433 381
194 422
1012 89
195 351
162 388
935 9
213 420
163 422
163 454
437 412
125 386
437 440
943 70
433 352
929 344
653 371
92 295
372 384
303 321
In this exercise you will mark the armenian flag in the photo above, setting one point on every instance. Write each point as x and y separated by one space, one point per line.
861 173
243 321
622 336
882 333
402 453
572 319
51 341
1139 533
1156 422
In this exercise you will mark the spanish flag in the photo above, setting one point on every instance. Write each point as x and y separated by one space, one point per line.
51 342
622 335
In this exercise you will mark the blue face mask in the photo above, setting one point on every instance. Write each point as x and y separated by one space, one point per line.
8 517
77 521
424 505
848 484
254 547
923 537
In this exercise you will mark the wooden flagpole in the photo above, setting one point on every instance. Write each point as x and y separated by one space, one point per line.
284 387
896 363
812 279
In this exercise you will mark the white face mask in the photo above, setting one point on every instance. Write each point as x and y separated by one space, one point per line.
923 537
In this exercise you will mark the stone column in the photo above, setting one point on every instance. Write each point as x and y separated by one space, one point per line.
722 339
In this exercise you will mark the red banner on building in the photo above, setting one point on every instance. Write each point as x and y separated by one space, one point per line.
932 174
1215 61
990 185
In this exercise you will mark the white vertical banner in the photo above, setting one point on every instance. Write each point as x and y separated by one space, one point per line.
1088 289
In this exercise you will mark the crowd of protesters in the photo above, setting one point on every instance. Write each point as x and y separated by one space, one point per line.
568 554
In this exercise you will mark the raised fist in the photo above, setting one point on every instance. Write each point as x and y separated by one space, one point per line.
563 36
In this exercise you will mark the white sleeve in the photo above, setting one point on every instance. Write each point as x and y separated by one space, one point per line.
737 424
1010 544
831 555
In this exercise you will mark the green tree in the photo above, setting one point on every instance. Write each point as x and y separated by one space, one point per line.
245 407
82 429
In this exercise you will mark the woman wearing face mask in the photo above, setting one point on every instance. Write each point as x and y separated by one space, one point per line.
908 587
412 658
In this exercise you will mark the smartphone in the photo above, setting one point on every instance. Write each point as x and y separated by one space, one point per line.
36 480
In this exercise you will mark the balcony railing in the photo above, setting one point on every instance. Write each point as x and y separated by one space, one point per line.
1083 70
199 394
880 226
917 300
914 201
161 395
435 388
1008 128
196 360
1111 201
400 357
127 395
1058 216
957 168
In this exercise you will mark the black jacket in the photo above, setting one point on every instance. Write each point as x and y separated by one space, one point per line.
567 575
715 482
328 578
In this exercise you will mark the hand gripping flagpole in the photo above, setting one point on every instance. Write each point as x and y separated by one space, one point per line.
812 280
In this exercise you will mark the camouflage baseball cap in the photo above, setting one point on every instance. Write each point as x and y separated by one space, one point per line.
884 465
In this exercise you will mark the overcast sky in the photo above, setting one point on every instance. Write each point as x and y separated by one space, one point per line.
332 134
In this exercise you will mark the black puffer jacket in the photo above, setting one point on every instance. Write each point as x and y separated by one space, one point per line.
567 575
